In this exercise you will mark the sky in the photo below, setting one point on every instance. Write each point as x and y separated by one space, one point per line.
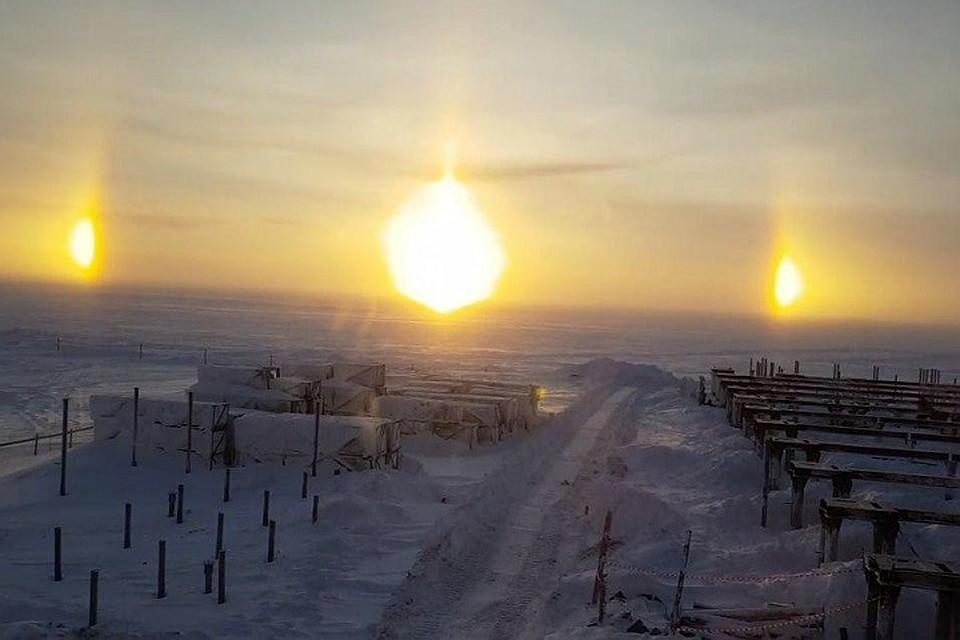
647 155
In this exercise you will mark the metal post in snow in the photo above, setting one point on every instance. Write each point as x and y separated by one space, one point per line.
316 440
57 555
136 425
226 486
271 541
265 521
675 614
222 577
161 569
208 576
189 428
63 449
219 534
179 504
316 508
303 486
127 508
94 597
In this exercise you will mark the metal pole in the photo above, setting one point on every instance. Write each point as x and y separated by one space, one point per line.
222 577
189 428
316 439
63 449
94 588
226 487
127 508
179 504
271 541
266 508
316 508
219 533
57 555
136 424
161 569
675 615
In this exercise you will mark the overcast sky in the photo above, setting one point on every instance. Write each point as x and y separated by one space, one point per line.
639 154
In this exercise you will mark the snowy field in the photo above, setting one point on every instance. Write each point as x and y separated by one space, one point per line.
497 542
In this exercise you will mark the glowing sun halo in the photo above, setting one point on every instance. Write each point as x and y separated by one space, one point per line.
83 243
788 285
441 250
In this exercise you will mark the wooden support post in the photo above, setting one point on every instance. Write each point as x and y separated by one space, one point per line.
948 616
63 448
952 473
36 443
94 597
136 424
796 367
675 614
833 533
226 486
316 440
796 506
271 541
885 536
189 428
265 521
219 534
222 577
171 504
127 508
873 608
161 569
57 555
888 610
179 504
208 576
316 509
303 486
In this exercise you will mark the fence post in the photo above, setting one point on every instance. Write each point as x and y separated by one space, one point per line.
226 486
126 525
63 449
316 508
57 555
222 577
675 615
136 424
189 428
219 534
303 487
271 541
179 504
36 443
171 504
208 576
141 351
266 508
316 438
161 569
94 589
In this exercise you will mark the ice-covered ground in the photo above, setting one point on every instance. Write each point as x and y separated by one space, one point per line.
495 542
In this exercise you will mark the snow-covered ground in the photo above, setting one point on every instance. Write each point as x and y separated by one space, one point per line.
500 541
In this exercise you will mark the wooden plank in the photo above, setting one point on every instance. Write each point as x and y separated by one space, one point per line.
761 428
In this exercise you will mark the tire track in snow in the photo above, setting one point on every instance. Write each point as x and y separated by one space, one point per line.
498 558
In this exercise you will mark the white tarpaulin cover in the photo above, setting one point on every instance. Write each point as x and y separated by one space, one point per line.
360 441
162 423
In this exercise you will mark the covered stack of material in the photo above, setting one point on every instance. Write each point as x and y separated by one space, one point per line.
260 388
162 423
347 388
480 410
356 442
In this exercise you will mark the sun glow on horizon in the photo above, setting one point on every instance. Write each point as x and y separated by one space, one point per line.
83 243
788 286
441 250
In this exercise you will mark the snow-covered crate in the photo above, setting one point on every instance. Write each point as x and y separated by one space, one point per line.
358 442
162 423
372 376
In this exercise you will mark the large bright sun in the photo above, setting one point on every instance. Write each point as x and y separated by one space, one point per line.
788 286
83 243
441 250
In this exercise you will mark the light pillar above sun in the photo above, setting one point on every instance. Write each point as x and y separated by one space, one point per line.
441 250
